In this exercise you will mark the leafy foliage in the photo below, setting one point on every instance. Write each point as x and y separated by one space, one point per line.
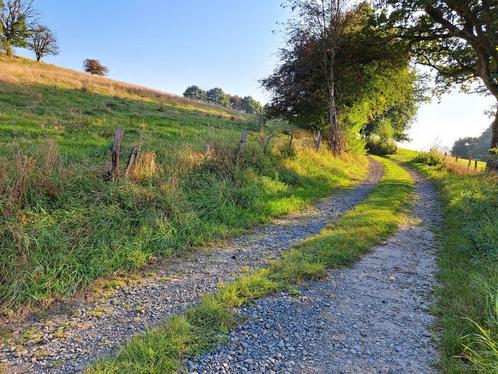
373 80
457 38
94 67
16 20
195 93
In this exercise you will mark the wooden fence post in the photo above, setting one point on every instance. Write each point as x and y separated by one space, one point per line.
134 154
318 139
116 149
291 138
242 144
267 142
468 165
475 164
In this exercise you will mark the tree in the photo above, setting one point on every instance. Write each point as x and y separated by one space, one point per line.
372 81
94 67
236 103
464 147
16 20
218 96
251 106
43 42
323 22
457 38
195 93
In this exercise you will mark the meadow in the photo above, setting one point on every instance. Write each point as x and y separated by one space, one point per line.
62 225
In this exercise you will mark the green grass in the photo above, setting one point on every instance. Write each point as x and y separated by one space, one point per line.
468 268
161 350
62 226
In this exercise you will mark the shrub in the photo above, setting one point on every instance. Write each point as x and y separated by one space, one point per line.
381 147
431 158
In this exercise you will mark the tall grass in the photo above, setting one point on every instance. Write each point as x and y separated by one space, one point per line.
161 350
62 225
468 266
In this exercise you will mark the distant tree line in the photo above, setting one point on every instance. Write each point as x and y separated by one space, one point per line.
473 148
217 96
19 27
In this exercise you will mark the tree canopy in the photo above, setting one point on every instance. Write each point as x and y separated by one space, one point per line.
94 67
373 80
195 93
456 38
17 17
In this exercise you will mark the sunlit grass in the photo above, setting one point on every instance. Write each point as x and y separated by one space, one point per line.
161 350
468 267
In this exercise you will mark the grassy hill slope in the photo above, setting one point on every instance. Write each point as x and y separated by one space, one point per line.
62 225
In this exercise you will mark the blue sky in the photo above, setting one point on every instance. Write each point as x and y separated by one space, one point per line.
170 44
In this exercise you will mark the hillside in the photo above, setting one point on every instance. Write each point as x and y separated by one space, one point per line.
82 111
63 226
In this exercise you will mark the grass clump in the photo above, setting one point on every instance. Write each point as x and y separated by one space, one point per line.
163 349
468 267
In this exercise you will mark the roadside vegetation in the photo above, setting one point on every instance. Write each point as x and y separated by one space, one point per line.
62 225
162 350
468 262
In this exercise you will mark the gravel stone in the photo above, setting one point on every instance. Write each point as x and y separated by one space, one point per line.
90 330
371 318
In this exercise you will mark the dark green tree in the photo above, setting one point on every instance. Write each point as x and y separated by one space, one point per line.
457 38
251 106
372 82
195 93
236 102
17 17
465 147
218 96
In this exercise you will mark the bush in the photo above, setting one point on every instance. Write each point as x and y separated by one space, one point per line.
381 147
431 158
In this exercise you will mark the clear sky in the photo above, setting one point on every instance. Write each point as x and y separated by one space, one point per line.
170 44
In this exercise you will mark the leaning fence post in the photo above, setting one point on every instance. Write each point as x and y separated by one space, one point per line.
468 165
266 142
116 149
134 154
318 139
242 144
291 138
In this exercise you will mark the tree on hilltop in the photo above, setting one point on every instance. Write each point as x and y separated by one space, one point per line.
195 93
43 42
218 96
94 67
17 18
251 106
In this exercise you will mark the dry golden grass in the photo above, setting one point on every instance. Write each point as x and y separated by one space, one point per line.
20 71
459 168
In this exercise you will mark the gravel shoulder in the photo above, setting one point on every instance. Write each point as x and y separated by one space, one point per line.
371 318
81 332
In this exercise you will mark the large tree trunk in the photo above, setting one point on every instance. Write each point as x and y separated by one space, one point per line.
335 135
9 51
493 163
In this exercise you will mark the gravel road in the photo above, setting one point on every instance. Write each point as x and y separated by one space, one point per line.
81 332
371 318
